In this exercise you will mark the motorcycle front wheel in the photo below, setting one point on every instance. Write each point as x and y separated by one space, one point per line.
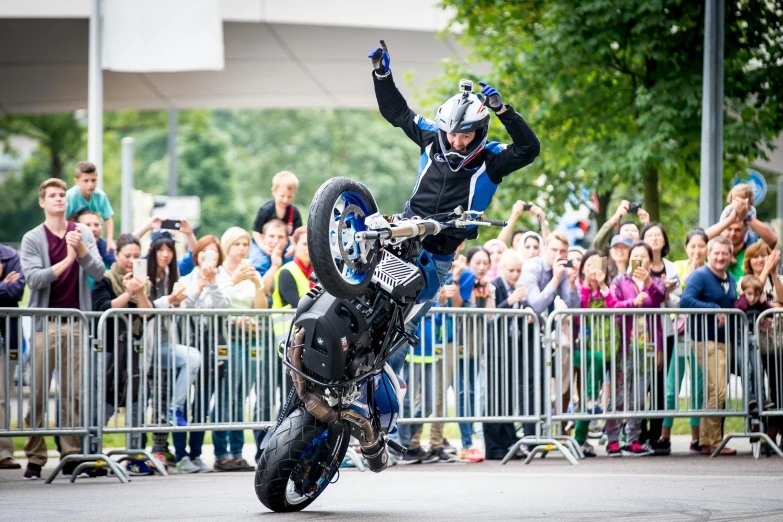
299 461
337 212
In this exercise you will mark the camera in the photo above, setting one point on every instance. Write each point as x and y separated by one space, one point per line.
465 86
634 207
527 206
569 264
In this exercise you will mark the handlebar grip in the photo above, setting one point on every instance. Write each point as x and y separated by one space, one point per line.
496 222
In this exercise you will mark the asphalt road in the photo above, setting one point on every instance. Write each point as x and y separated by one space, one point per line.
679 487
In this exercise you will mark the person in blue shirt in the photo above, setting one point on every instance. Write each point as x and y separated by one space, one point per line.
712 286
86 194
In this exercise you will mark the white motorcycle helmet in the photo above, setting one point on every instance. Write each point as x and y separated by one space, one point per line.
464 112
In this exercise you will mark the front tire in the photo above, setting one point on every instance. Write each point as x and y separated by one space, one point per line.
338 211
283 454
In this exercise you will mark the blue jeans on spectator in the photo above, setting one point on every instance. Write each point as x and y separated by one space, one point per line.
200 407
186 362
397 361
467 407
229 404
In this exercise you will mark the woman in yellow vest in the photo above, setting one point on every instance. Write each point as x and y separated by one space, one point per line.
292 282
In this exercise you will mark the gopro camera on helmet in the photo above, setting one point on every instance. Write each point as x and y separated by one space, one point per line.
465 86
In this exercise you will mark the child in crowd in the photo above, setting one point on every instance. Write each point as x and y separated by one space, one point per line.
750 302
86 194
742 191
594 339
284 187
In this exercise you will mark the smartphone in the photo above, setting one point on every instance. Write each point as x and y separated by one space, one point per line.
245 262
674 280
635 263
210 257
634 208
171 224
140 269
596 263
527 206
176 287
519 284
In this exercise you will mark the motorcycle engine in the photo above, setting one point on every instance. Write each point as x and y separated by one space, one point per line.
337 335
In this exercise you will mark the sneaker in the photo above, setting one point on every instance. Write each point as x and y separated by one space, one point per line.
431 457
177 418
225 465
33 472
471 455
161 458
442 456
661 448
413 456
138 468
636 450
448 448
603 440
241 464
613 449
70 467
201 465
588 451
186 466
695 448
170 458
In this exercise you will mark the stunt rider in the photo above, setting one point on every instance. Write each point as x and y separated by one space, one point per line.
458 167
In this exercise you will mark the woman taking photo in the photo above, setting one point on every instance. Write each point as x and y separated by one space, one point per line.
244 290
201 292
119 289
638 333
655 235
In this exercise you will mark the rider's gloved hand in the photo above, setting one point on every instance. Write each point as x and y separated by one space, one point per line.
493 99
380 60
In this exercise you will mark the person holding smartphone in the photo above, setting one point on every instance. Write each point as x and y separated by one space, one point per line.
544 278
639 334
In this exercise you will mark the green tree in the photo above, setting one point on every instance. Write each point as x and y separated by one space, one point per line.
613 90
61 136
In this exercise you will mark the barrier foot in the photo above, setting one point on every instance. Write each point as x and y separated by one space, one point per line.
355 458
570 443
88 461
541 447
755 435
140 454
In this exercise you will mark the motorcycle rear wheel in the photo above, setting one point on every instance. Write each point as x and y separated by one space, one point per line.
336 213
282 456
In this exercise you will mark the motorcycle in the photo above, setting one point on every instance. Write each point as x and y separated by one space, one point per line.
373 277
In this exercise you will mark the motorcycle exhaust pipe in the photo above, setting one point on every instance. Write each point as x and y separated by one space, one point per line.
315 404
373 448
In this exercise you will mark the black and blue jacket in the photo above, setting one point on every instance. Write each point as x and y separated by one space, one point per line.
438 189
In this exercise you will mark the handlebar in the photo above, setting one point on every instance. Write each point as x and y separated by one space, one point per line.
408 228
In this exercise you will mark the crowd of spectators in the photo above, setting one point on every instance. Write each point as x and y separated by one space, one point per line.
73 261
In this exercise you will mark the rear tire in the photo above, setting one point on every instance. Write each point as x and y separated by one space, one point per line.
281 456
323 241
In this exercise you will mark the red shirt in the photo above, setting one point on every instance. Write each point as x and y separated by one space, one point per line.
307 271
64 292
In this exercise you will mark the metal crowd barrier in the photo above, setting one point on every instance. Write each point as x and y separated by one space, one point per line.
629 353
44 388
220 367
492 360
767 348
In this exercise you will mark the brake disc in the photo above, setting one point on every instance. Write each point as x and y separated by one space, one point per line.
352 252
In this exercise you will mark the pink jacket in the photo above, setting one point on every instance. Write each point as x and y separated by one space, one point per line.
586 296
624 291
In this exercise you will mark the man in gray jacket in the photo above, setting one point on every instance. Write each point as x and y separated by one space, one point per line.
57 256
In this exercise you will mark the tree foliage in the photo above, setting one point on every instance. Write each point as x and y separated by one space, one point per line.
613 90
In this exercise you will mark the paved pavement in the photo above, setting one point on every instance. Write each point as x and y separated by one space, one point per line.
680 487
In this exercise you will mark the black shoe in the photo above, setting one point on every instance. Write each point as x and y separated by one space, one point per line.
413 456
98 472
70 467
33 472
661 448
442 456
495 456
